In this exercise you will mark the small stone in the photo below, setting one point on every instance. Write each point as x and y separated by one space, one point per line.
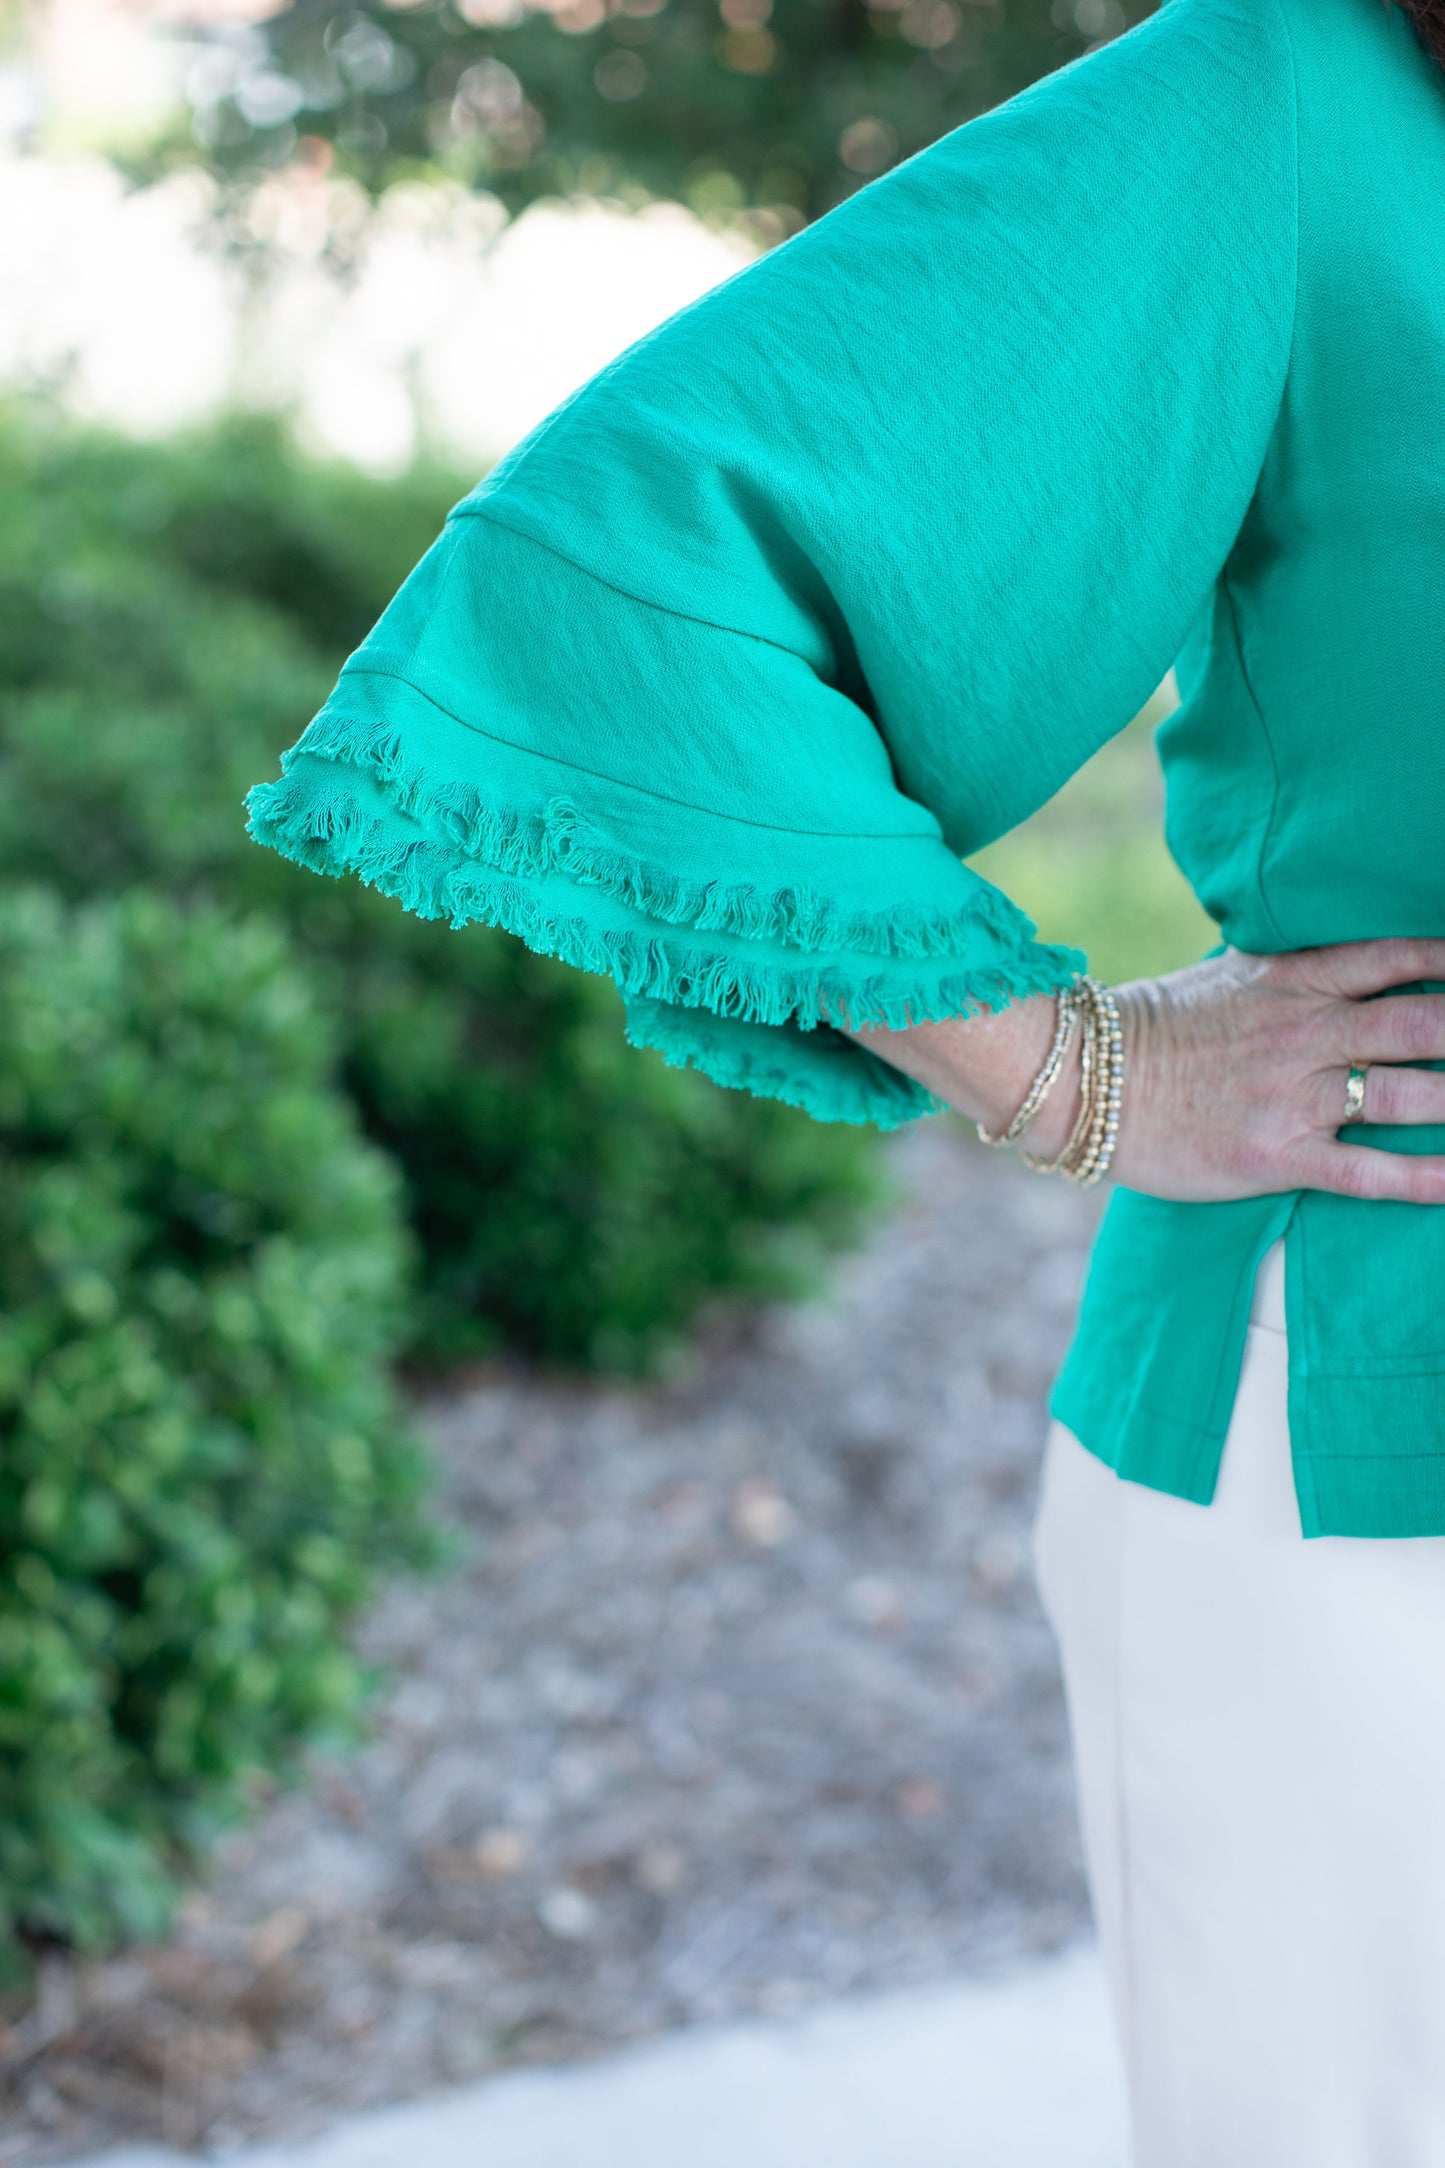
661 1868
278 1935
500 1852
919 1798
874 1602
761 1515
567 1913
998 1561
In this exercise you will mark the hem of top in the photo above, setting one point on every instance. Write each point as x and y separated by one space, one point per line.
1344 1497
1347 1498
1396 1497
1188 1468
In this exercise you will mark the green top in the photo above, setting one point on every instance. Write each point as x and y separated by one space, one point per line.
717 678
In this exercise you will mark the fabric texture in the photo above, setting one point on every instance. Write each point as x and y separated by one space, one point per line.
1259 1742
717 680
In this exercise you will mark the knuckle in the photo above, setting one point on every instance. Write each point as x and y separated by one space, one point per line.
1279 969
1326 968
1386 1095
1395 952
1425 1182
1327 1098
1416 1029
1357 1178
1301 975
1295 1036
1252 1156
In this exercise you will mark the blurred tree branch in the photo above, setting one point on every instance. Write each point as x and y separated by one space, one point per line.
776 106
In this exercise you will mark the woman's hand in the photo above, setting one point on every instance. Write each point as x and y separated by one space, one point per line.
1234 1072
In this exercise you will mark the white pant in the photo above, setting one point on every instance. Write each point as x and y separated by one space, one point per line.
1259 1742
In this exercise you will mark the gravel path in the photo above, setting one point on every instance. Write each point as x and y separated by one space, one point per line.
739 1699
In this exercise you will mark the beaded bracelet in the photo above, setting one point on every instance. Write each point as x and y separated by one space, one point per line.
1066 1007
1086 1156
1077 1140
1104 1127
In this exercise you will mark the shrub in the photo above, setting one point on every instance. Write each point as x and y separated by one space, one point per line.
201 1461
573 1198
169 618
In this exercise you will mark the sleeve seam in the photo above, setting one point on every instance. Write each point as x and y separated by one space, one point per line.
1236 633
1226 583
471 510
492 737
1295 108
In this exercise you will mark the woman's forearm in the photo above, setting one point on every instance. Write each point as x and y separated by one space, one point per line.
983 1065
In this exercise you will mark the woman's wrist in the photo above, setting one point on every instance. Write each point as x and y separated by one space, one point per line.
984 1065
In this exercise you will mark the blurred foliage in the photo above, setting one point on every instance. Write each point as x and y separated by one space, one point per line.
1092 867
202 1277
170 617
721 104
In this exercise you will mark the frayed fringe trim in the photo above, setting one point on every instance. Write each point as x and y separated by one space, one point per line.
849 1094
475 881
560 838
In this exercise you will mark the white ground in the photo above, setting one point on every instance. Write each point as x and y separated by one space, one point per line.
1015 2073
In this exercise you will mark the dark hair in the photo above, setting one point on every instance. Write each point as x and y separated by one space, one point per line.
1428 16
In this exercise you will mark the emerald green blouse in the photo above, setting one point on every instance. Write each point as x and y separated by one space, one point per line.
717 680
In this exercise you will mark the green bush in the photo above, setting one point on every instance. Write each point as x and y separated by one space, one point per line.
202 1279
169 618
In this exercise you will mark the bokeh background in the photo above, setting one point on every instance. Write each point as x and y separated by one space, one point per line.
505 1548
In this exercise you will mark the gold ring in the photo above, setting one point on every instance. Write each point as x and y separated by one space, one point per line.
1355 1091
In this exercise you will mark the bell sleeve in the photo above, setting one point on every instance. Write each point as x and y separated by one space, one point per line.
717 679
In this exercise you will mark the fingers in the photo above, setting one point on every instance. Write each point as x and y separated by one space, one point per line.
1391 1095
1410 1027
1357 968
1398 1095
1357 1170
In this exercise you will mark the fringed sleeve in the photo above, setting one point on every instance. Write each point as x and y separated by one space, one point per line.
714 682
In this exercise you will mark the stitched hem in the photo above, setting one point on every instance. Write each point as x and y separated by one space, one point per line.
455 855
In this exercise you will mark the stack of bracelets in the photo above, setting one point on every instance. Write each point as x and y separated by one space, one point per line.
1090 1147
